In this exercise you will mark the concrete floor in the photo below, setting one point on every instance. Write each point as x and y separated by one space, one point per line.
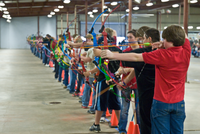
27 87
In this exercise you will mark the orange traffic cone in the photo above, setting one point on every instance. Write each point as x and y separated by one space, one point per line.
50 63
76 84
82 89
63 74
107 113
137 130
90 102
113 122
131 128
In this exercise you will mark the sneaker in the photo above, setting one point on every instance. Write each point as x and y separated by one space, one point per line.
75 94
84 107
80 101
95 128
80 97
47 65
65 87
122 133
59 81
91 112
102 120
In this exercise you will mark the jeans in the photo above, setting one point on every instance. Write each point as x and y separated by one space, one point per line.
60 71
86 93
167 118
39 53
56 69
72 74
80 82
65 81
125 109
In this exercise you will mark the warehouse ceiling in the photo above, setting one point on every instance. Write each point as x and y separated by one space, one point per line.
24 8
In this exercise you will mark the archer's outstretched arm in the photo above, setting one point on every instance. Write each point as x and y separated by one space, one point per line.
121 56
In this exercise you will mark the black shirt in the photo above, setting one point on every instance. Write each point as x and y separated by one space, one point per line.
145 78
112 65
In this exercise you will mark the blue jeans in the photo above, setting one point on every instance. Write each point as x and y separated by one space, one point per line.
60 71
65 81
124 111
72 82
167 118
86 93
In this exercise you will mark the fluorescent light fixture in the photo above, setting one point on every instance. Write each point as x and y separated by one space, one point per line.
4 16
67 1
8 21
164 0
52 13
60 6
4 9
2 4
175 5
190 27
193 1
109 10
9 17
136 8
95 11
138 1
56 10
149 4
92 16
165 27
90 12
49 15
6 12
114 3
105 7
198 27
127 10
1 8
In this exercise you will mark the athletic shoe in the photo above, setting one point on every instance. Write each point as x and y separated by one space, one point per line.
95 128
91 112
102 120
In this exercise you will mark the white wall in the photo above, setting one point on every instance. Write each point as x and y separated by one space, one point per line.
47 25
13 35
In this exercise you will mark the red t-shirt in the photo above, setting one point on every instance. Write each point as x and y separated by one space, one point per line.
171 67
132 83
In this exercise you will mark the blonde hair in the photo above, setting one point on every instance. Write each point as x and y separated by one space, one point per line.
78 39
109 31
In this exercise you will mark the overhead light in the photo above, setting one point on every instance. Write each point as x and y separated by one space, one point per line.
190 27
56 10
4 16
198 27
52 13
136 8
1 8
89 12
49 15
164 0
193 1
175 5
9 17
149 4
109 10
4 9
6 12
165 27
127 10
114 3
2 4
105 7
67 1
8 21
92 16
95 11
60 6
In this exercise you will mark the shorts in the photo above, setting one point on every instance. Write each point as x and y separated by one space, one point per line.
106 99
